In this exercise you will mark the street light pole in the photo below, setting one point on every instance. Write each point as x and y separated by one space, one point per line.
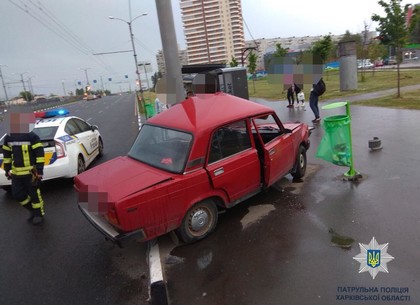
132 43
87 79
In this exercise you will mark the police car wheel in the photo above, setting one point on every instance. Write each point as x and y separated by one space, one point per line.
100 148
80 165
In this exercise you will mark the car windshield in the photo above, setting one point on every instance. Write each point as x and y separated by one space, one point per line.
45 133
163 148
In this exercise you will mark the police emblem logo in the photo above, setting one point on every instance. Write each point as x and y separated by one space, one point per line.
373 258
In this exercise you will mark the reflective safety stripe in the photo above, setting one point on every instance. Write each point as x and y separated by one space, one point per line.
21 173
16 143
40 204
7 160
25 155
26 201
21 169
7 147
40 160
36 145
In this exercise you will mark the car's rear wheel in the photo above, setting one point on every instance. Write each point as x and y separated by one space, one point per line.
81 167
100 148
300 165
200 220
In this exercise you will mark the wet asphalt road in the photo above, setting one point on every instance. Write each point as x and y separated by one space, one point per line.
65 260
277 247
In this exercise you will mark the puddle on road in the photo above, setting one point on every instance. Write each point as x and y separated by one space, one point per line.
341 241
255 214
337 240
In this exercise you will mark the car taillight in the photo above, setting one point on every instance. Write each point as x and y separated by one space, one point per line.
112 216
59 149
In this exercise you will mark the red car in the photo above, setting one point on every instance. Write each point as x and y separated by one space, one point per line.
207 153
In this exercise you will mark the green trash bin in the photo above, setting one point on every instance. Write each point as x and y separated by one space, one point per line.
150 110
335 146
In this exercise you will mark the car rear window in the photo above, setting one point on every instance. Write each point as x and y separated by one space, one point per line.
45 133
163 148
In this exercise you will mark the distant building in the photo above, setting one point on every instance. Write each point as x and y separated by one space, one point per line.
160 59
213 30
294 44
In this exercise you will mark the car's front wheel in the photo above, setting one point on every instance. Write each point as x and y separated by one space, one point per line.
81 167
200 220
100 148
300 165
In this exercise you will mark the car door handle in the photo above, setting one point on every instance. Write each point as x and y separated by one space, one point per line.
219 171
272 151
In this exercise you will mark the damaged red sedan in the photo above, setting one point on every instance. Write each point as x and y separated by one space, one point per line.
207 153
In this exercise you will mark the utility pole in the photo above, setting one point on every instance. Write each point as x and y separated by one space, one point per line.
23 83
64 89
4 85
175 89
86 74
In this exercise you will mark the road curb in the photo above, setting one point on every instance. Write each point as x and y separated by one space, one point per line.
157 288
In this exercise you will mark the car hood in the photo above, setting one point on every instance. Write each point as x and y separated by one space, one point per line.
119 178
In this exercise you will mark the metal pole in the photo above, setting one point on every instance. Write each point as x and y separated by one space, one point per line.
135 55
64 89
4 85
86 74
23 83
145 72
170 51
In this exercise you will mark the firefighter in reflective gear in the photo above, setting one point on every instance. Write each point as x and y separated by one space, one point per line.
24 164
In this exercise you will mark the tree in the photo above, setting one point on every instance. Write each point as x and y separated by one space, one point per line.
155 78
252 66
26 95
322 48
280 51
233 62
393 30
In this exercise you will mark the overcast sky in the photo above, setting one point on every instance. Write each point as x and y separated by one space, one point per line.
52 41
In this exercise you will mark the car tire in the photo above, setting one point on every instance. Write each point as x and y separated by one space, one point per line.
199 221
300 165
100 148
81 167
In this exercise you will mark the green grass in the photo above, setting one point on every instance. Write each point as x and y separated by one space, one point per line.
374 80
409 100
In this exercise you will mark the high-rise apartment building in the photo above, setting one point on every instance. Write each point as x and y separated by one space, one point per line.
213 30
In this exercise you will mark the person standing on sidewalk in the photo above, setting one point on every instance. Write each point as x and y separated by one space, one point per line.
24 164
317 90
291 96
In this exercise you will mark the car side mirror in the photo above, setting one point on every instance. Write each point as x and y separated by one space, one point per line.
286 130
94 127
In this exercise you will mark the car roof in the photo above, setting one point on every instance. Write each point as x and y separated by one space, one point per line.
203 112
52 122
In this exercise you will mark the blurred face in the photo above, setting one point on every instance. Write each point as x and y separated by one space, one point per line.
20 122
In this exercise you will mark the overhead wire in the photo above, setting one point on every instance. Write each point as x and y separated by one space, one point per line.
57 27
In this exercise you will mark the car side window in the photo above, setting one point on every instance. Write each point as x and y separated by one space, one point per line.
267 128
71 127
83 126
229 140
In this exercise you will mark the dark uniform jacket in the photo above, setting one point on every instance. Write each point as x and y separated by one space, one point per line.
22 153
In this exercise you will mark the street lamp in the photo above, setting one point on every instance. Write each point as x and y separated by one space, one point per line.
132 42
145 72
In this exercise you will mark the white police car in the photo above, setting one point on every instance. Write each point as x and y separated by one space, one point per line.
70 144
